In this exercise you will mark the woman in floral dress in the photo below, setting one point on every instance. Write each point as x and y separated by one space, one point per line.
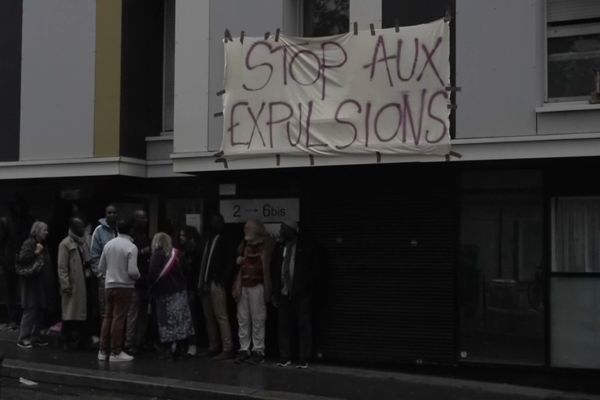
169 291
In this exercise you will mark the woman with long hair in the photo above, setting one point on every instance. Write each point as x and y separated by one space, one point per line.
34 267
169 292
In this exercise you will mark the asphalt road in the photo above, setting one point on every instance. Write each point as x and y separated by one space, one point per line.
13 390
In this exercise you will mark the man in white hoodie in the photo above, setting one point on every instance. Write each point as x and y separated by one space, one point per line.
118 263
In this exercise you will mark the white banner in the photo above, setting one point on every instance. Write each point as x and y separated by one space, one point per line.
349 93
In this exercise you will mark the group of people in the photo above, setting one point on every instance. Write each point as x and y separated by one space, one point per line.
282 274
132 293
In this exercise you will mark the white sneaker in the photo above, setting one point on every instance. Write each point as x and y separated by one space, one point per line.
285 363
192 350
122 356
102 356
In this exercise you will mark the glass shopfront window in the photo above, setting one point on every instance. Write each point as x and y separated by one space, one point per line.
501 284
576 235
575 282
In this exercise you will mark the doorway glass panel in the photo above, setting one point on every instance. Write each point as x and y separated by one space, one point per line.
575 282
501 285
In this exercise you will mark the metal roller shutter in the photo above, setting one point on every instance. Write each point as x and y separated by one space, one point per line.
569 10
388 294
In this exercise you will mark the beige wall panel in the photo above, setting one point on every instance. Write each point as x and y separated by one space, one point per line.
108 78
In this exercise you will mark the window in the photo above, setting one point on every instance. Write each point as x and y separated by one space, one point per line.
326 17
575 283
576 223
501 268
413 12
573 48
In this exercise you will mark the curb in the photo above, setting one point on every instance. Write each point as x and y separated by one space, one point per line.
141 385
497 388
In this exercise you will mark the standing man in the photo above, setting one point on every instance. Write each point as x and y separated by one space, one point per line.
137 315
215 276
105 231
73 261
118 264
294 275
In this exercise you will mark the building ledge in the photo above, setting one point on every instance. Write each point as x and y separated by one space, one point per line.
528 138
567 106
467 149
163 137
81 167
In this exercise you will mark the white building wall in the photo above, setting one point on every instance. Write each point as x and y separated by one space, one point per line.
254 18
192 30
200 27
500 67
57 81
365 13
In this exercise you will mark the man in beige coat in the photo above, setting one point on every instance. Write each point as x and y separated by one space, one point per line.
73 268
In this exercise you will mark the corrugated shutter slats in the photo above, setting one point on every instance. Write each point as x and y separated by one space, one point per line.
572 10
391 286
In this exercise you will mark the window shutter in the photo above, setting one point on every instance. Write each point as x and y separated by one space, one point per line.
572 10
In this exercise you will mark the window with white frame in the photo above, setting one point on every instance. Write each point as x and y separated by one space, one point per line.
573 48
576 234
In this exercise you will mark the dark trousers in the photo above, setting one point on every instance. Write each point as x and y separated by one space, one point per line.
31 323
75 334
115 314
137 318
94 290
11 281
294 314
193 304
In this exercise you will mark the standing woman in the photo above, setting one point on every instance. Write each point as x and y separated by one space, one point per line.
37 285
169 291
191 258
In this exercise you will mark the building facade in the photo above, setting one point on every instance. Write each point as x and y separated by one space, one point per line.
489 256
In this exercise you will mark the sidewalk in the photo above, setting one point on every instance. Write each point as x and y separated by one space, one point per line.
207 379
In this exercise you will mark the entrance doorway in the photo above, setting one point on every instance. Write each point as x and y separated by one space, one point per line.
501 285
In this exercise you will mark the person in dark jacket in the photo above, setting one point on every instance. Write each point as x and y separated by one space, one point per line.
169 291
294 269
137 315
215 276
191 258
37 286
